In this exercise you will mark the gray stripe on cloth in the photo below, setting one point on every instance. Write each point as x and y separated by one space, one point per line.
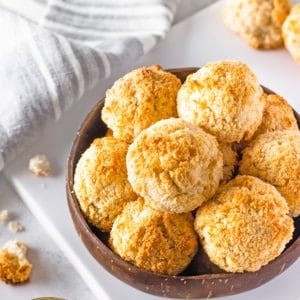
124 3
120 53
93 33
44 71
108 22
80 24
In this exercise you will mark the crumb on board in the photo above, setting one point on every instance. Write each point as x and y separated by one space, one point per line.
14 266
4 216
39 165
14 226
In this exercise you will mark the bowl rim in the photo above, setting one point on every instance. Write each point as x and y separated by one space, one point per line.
116 265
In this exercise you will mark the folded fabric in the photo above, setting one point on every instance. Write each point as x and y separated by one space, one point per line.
52 52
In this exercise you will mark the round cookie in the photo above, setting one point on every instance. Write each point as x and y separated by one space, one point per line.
245 226
291 32
174 165
275 158
100 181
223 97
160 242
139 99
278 115
257 22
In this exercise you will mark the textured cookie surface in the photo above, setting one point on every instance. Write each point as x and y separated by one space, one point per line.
278 115
139 99
160 242
223 97
275 158
100 181
245 226
291 32
257 21
174 165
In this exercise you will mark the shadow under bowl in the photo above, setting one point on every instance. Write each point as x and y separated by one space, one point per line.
197 281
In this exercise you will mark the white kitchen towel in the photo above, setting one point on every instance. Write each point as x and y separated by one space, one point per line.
52 51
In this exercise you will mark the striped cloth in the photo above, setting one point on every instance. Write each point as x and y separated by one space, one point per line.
52 52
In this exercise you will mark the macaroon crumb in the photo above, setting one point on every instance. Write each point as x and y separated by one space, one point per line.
15 226
39 165
4 216
14 266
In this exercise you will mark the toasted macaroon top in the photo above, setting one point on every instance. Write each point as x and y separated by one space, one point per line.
160 242
223 97
100 181
275 158
139 99
174 165
245 226
278 115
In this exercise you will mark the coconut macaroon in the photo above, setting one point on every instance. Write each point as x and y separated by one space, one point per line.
278 115
275 158
291 32
14 266
223 97
156 241
100 181
139 99
174 165
245 226
257 22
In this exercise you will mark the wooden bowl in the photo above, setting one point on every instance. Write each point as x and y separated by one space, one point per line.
196 281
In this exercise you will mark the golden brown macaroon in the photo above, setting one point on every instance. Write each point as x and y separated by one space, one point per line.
291 32
278 115
174 165
275 158
139 99
258 22
225 98
160 242
14 266
245 226
230 161
100 181
39 165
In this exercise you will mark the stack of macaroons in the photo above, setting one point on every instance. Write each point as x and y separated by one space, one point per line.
164 182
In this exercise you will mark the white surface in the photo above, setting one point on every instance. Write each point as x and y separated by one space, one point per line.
50 266
194 42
